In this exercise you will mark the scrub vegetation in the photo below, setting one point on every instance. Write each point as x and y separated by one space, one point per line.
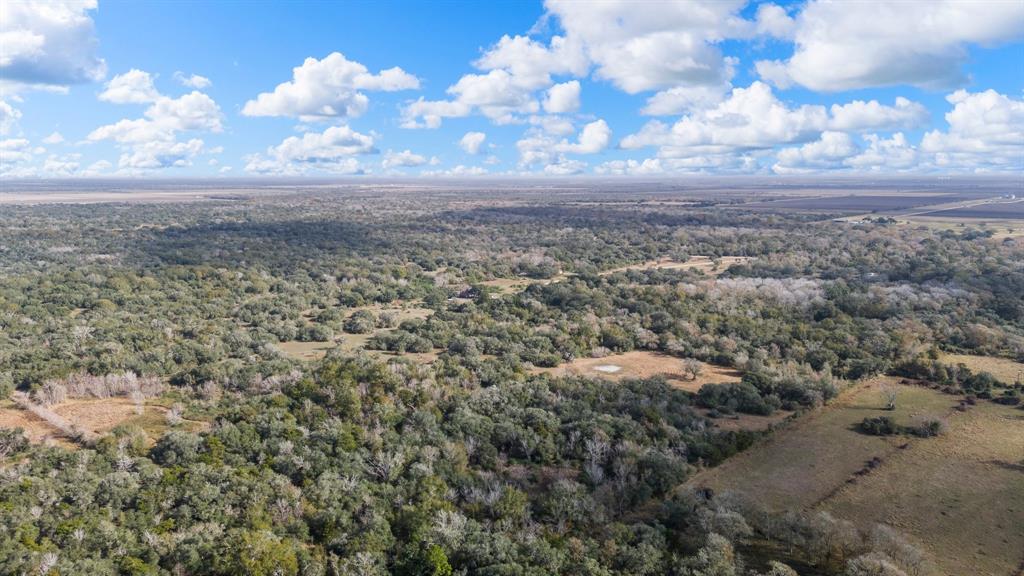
371 381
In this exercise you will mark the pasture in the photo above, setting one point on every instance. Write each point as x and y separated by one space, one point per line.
942 491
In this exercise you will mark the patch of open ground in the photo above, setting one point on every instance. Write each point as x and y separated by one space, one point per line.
644 364
506 286
1006 370
305 350
959 495
94 416
706 264
355 342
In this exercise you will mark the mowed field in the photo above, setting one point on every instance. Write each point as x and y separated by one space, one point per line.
946 493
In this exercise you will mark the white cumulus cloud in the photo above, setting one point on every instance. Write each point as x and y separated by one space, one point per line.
192 81
540 148
829 151
48 44
850 45
472 141
986 133
860 115
751 118
132 87
563 98
329 88
151 142
331 151
405 158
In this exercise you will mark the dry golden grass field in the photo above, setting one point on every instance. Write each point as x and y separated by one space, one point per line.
946 493
1006 370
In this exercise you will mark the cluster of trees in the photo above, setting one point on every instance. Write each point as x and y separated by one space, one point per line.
886 426
361 467
960 379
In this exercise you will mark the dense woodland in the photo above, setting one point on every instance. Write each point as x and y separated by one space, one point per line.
372 462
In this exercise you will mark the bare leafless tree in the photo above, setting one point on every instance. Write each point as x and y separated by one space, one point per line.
692 368
889 392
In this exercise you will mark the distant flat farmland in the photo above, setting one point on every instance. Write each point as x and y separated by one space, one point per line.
994 210
859 203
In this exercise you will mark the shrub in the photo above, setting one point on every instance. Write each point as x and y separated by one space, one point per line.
879 426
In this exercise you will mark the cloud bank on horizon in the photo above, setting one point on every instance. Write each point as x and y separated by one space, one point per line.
609 87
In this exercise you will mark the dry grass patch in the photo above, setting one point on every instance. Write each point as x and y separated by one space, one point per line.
1006 370
305 350
706 264
94 416
959 495
643 364
401 312
36 430
805 462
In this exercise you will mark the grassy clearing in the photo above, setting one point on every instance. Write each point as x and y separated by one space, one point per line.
646 364
960 495
305 350
947 493
95 416
351 343
799 466
1006 370
506 286
643 364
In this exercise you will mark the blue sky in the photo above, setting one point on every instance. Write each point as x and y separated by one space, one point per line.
173 89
